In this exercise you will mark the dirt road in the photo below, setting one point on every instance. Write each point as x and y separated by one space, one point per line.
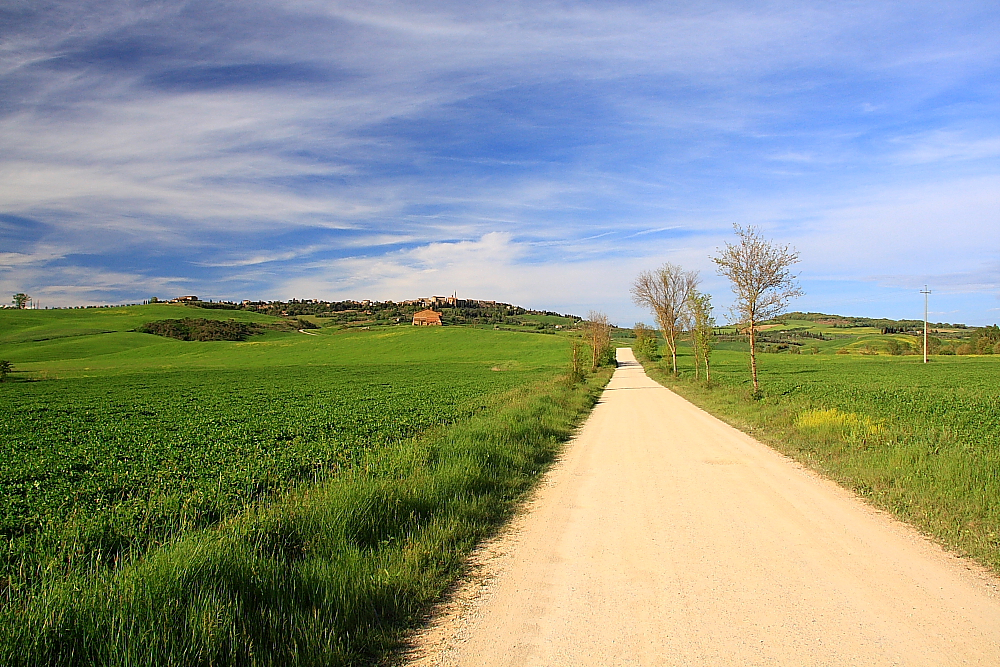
665 537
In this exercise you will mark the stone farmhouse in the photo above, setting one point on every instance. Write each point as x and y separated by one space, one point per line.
427 318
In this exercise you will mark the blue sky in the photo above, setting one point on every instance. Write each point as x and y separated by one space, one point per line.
541 153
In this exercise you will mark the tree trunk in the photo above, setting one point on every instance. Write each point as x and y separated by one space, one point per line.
708 373
696 349
753 358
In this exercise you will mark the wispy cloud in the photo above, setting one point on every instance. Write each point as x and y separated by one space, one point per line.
276 145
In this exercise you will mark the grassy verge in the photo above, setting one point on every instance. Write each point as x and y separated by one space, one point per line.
919 441
329 575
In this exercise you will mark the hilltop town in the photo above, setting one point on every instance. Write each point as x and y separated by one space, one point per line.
451 309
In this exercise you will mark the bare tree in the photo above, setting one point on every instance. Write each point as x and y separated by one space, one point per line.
759 271
598 333
702 324
665 292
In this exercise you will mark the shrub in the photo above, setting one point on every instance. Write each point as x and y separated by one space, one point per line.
201 329
965 348
607 356
986 339
645 347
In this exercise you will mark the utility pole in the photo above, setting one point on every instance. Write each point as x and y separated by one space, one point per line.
925 292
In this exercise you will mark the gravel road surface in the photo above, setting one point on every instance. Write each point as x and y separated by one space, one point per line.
665 537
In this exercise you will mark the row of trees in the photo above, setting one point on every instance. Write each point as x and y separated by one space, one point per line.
671 293
759 272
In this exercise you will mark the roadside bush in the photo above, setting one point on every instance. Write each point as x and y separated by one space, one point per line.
607 357
645 347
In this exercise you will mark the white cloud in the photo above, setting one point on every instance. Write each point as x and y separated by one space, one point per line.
574 144
69 286
492 267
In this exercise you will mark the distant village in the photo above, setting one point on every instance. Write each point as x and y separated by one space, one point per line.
425 311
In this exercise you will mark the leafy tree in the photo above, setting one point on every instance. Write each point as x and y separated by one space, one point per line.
201 329
665 292
21 300
5 368
645 341
702 331
759 272
986 338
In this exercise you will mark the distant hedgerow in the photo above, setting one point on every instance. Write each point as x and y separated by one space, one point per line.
191 328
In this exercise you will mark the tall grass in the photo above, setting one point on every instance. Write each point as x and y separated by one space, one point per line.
922 442
329 575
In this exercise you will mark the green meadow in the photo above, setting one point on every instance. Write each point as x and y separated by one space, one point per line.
919 440
293 499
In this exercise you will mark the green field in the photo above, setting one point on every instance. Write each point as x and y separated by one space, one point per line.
140 474
920 440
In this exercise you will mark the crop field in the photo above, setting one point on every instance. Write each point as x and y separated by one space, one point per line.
135 460
921 440
121 451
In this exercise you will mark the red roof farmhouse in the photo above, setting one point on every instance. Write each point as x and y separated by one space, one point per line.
427 318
